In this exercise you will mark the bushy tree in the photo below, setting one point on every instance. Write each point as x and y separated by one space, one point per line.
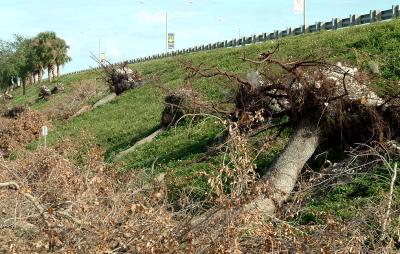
8 69
25 58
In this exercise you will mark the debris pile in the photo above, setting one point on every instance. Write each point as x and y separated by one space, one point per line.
14 112
179 103
21 130
58 88
119 78
44 92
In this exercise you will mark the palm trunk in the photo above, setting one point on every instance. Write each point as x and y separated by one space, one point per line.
40 75
58 70
49 73
52 72
23 86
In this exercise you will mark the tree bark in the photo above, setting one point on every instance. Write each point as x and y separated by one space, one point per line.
49 73
58 70
40 76
281 178
23 86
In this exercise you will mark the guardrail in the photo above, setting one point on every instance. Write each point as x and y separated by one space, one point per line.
334 24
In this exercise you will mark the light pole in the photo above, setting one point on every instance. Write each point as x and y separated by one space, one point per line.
166 21
305 13
166 32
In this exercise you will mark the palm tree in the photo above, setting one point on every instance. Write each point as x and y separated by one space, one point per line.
61 57
44 48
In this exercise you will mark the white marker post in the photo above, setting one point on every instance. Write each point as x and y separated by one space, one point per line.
44 134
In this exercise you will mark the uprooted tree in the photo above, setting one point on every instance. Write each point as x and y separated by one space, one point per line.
120 77
323 103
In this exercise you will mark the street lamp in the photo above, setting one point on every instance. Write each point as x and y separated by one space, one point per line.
166 21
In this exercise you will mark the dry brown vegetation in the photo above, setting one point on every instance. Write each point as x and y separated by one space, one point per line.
63 201
16 133
67 105
51 204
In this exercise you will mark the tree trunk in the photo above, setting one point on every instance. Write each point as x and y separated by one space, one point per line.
23 86
49 73
40 76
282 176
52 72
58 70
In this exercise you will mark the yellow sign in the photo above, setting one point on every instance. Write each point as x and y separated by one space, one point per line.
171 40
102 58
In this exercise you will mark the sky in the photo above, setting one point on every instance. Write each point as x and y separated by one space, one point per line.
128 29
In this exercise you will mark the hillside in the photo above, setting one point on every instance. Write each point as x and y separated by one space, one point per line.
186 151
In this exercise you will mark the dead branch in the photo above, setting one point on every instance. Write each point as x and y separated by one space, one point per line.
389 204
14 186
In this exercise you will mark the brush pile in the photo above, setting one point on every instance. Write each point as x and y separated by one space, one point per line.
120 78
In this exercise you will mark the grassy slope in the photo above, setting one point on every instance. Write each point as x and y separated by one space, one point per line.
132 116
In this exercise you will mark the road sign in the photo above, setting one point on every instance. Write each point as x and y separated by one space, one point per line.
171 41
102 58
298 6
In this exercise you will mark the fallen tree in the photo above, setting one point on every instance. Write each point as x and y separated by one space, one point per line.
119 78
323 102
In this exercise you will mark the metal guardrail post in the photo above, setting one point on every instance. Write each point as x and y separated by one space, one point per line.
318 26
374 16
276 34
334 23
358 20
353 20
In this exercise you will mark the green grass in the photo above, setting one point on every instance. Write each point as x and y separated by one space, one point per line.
346 200
132 116
32 91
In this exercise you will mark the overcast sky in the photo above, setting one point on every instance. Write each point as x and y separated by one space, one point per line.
129 29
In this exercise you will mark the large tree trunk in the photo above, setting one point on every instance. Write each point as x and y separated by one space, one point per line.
40 76
49 73
58 70
23 86
281 178
52 71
